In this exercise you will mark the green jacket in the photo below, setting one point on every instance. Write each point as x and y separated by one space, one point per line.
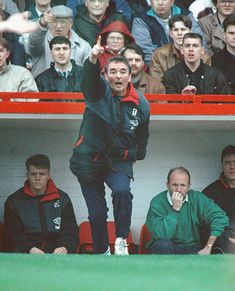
183 227
114 131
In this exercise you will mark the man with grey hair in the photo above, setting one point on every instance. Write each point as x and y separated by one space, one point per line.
176 215
58 21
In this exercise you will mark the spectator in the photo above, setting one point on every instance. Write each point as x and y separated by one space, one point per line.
113 135
120 5
63 75
176 215
93 17
224 60
38 8
13 78
202 8
222 191
39 217
17 52
151 28
140 79
212 28
56 22
169 55
114 37
193 76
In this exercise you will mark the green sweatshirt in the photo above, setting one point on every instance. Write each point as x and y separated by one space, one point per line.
183 227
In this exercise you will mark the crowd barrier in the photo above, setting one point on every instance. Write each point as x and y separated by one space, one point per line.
73 103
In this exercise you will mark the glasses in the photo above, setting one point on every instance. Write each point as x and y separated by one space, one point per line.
224 2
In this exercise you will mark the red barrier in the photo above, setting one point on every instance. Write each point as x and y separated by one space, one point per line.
73 103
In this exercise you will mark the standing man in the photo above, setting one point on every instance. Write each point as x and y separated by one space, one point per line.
176 215
224 60
193 76
39 217
113 135
222 191
140 79
64 75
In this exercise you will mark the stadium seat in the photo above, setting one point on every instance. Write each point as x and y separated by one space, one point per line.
145 237
86 243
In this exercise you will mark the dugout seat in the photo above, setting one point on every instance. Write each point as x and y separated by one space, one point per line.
145 237
86 243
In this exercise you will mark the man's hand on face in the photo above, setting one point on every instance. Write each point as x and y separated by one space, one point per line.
177 200
96 51
189 90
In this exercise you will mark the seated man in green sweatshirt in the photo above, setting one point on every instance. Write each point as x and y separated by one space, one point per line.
176 215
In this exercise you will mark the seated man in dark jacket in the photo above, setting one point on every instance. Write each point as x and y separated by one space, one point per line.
222 191
39 217
193 76
63 75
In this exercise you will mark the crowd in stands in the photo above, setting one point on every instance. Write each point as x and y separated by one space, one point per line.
155 27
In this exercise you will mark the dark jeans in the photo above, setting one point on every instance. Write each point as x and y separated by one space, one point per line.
166 246
223 246
94 196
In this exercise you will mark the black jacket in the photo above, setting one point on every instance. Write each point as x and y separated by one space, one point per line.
225 62
45 222
212 81
51 81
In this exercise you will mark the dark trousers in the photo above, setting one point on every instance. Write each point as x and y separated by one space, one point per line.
94 196
166 246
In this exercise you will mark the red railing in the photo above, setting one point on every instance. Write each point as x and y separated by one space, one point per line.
73 103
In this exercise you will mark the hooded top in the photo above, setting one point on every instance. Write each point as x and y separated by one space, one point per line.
115 26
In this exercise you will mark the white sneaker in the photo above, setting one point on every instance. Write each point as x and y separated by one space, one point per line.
107 252
121 247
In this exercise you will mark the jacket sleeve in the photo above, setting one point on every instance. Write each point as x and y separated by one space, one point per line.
36 42
68 236
156 68
222 84
15 239
143 38
141 137
161 225
93 87
28 83
170 83
213 215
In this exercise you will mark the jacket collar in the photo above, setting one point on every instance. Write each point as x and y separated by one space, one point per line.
131 96
51 192
223 181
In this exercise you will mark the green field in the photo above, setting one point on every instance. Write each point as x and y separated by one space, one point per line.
136 272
